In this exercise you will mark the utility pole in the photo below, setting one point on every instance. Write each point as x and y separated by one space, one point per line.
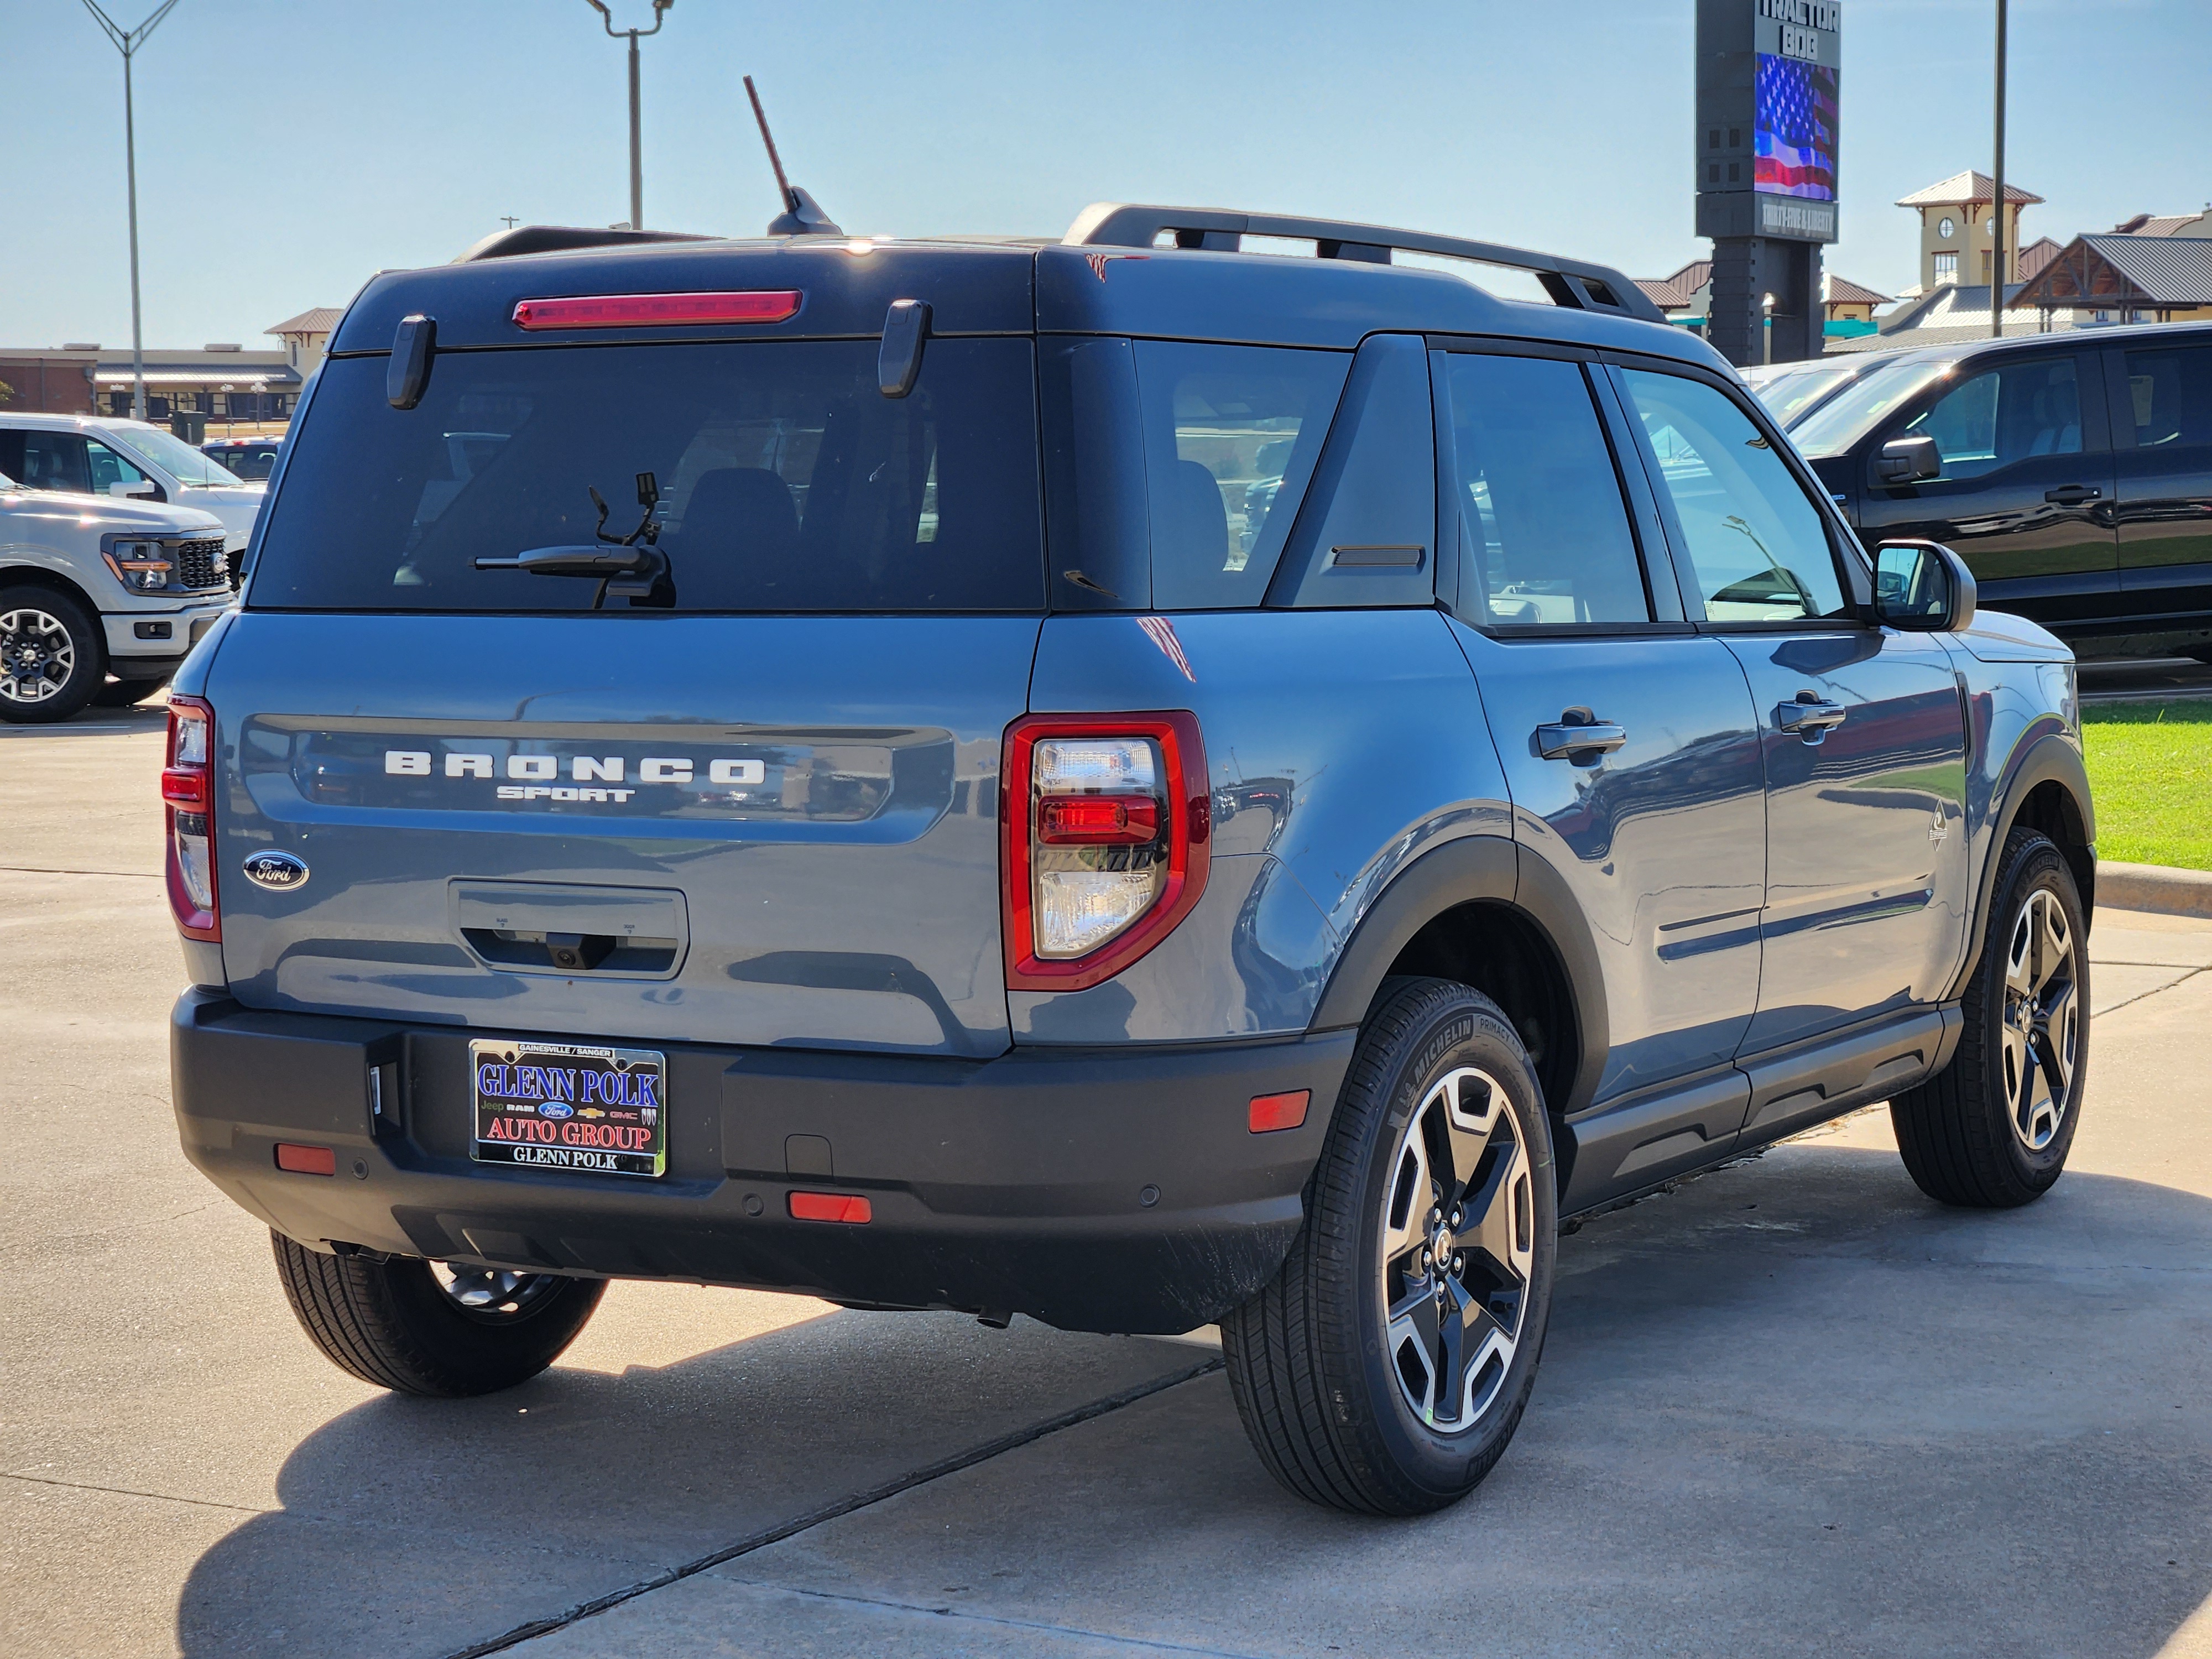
636 162
1996 180
127 41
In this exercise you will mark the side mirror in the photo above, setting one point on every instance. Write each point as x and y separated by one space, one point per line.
1908 461
142 486
1922 587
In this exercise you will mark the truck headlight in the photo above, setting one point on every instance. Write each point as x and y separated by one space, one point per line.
143 567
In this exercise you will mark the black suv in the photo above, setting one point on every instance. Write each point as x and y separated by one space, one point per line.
2073 471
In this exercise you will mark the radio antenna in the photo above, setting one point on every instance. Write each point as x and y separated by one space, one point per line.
801 214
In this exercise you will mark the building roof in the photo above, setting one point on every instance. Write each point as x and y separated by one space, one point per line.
2124 270
1964 187
2173 224
1842 291
321 320
2036 255
1676 292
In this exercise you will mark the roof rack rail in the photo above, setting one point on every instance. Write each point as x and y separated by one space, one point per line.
519 240
1571 283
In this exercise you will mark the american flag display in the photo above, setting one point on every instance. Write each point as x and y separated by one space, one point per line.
1795 133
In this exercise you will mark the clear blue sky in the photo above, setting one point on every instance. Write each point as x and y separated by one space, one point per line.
288 150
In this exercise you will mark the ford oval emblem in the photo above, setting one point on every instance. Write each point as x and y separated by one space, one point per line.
556 1108
278 870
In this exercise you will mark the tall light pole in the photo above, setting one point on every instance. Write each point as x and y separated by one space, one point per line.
636 164
1996 189
127 41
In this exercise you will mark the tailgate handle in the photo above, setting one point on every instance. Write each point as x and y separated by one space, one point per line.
551 928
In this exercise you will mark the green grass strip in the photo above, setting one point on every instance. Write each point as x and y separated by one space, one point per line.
2150 772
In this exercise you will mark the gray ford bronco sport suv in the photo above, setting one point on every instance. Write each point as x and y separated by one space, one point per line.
1126 780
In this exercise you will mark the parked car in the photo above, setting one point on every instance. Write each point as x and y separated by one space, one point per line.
825 796
1793 393
91 586
106 455
250 459
2072 472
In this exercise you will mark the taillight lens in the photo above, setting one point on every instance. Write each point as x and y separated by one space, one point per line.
1105 826
188 790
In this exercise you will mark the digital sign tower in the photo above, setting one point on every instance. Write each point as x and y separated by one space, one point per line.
1766 167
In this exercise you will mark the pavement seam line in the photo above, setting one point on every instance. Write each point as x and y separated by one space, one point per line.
1144 1643
1013 1441
2108 1011
43 870
128 1492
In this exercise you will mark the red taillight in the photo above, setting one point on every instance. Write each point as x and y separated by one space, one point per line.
1104 823
831 1206
650 310
1285 1111
306 1160
188 791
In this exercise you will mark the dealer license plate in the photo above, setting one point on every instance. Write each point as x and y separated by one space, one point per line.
571 1106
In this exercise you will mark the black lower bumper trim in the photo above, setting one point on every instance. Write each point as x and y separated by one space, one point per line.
1107 1189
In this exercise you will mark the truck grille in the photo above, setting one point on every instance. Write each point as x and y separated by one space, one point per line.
202 564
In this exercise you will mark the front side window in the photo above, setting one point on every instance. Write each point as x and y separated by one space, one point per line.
2005 415
108 467
1755 539
1545 533
44 460
1230 435
2170 391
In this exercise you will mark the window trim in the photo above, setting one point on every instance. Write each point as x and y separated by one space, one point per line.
1853 574
1451 523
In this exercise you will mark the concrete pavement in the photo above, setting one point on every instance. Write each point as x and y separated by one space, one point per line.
1789 1407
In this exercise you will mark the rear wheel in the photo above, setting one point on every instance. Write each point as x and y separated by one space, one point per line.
1992 1130
51 657
1385 1368
446 1330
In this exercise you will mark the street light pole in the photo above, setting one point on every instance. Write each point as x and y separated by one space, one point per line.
127 41
1997 183
636 156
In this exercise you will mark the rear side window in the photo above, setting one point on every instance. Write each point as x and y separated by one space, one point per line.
1545 534
2170 390
2004 416
44 460
1755 537
788 481
1230 436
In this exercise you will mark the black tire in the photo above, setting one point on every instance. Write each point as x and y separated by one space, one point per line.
1991 1130
123 694
42 626
1325 1389
391 1323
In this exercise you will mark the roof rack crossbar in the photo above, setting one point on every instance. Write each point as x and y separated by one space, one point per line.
1574 283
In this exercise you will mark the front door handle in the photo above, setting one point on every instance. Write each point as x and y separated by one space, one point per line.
2072 495
1810 715
1579 736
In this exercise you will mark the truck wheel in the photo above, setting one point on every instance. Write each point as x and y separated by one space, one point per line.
52 656
420 1327
1386 1367
1992 1129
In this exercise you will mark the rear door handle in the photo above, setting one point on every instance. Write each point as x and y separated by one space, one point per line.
2072 495
1811 716
1579 736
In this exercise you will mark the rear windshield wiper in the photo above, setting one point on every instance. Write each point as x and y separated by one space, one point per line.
629 567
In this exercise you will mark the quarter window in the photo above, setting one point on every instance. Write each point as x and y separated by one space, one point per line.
1544 536
2005 415
1755 540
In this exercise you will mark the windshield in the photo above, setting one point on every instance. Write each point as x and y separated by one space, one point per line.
171 453
1790 397
784 480
1856 410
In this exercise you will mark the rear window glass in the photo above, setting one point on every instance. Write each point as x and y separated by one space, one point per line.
1230 436
787 480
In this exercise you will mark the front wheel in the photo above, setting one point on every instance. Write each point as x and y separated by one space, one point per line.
1385 1368
446 1330
1991 1130
52 658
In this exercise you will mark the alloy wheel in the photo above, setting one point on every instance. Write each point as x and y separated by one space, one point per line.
36 656
1457 1249
492 1294
2042 1031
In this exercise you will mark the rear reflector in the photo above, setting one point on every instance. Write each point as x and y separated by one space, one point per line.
306 1160
1098 820
830 1206
1283 1111
649 310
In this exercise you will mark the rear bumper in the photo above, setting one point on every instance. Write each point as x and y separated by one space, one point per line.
1014 1185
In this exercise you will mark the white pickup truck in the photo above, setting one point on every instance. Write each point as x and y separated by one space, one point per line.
92 587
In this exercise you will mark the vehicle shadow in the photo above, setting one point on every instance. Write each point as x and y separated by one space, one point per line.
1792 1404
